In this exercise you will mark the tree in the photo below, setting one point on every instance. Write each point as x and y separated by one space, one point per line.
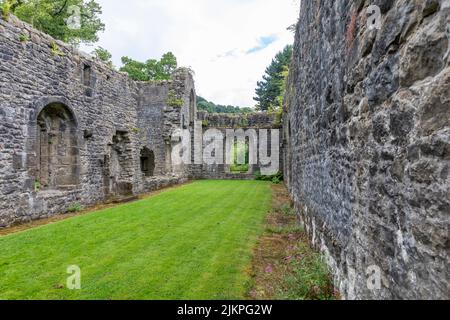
103 55
270 89
210 107
280 99
53 17
168 64
135 69
152 69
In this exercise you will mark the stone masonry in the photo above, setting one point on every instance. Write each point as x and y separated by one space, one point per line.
246 123
367 140
74 132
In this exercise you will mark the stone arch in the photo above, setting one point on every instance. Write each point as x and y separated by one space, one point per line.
147 162
192 101
57 147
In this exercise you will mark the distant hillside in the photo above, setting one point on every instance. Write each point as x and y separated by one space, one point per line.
203 104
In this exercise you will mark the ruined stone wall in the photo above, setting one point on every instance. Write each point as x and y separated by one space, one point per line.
163 108
224 122
368 143
75 132
260 120
72 129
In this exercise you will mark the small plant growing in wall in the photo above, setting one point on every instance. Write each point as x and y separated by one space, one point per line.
244 121
277 122
37 186
173 100
56 51
76 207
205 123
136 130
24 38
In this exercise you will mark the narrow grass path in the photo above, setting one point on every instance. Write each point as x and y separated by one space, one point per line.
193 242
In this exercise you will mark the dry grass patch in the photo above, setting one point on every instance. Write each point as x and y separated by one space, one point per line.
284 264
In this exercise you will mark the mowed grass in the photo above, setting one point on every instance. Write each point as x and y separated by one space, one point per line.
192 242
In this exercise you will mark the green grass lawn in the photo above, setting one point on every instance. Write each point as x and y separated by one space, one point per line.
192 242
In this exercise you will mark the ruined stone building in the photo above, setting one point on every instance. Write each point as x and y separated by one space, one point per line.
365 143
75 132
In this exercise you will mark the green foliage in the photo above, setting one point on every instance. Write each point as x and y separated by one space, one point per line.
310 279
244 122
287 210
240 149
239 168
270 91
114 246
203 104
50 16
205 123
135 69
173 100
37 186
56 51
24 38
151 70
280 229
103 55
76 207
164 69
276 178
5 7
278 117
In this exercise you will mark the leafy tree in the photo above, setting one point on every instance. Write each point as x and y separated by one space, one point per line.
103 55
271 88
168 64
52 16
136 70
203 104
284 76
152 69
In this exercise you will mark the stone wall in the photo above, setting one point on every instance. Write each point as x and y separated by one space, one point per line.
245 122
367 140
75 132
72 130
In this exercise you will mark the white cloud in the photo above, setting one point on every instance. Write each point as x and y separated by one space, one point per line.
213 37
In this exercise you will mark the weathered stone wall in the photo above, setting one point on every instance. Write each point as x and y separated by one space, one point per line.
367 140
158 121
259 120
224 122
72 130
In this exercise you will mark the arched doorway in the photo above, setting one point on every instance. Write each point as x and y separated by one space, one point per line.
147 162
57 147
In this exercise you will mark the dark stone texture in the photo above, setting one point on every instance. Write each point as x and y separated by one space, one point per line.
367 166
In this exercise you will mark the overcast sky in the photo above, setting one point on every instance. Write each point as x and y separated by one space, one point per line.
228 43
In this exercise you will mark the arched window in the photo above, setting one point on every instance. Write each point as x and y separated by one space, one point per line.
147 162
57 147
